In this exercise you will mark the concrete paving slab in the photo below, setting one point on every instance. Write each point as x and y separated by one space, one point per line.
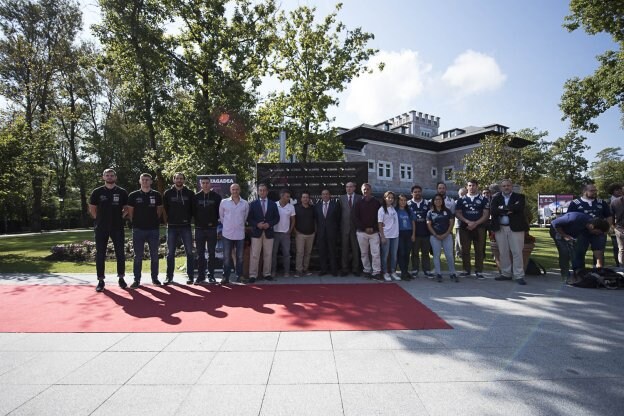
223 401
368 366
251 341
238 368
11 397
303 367
46 368
305 341
108 368
384 340
66 400
169 368
9 337
197 341
11 359
302 400
381 399
134 400
144 342
63 342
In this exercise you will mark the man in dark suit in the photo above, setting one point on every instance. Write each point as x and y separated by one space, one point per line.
327 222
350 255
263 215
509 224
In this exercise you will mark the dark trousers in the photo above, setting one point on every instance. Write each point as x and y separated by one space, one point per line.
405 248
326 243
139 238
566 252
101 242
203 237
476 238
350 252
186 234
420 253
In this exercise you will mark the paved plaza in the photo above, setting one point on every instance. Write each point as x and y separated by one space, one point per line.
540 349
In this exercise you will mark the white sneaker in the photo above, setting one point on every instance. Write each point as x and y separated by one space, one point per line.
387 277
395 276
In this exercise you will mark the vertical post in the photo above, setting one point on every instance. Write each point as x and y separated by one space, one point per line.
282 138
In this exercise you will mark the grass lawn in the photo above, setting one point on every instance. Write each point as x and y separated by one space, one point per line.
26 254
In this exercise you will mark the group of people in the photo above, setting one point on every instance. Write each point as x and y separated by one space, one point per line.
379 239
375 236
586 225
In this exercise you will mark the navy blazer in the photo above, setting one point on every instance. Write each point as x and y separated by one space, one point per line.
256 216
330 224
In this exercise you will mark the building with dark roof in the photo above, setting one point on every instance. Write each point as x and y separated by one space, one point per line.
409 149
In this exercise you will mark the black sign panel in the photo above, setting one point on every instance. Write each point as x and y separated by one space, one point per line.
218 183
311 177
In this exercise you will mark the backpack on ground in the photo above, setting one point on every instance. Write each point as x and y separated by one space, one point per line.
593 279
533 268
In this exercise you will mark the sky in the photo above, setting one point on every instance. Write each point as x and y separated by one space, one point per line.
469 62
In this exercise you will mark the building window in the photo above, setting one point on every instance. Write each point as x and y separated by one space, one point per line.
448 173
406 172
384 170
434 173
371 165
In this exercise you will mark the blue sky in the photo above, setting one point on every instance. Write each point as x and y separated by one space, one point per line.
470 62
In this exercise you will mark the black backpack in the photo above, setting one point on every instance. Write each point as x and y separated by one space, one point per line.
533 268
587 278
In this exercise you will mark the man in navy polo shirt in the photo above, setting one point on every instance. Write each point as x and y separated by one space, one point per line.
421 247
595 207
573 227
473 210
145 208
108 206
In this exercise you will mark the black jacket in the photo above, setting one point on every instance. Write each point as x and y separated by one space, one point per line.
514 210
178 206
207 209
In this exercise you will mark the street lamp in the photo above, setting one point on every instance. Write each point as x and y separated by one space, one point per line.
62 206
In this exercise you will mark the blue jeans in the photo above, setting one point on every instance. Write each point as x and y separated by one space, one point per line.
173 234
405 248
567 251
228 245
447 245
139 238
203 236
390 247
101 242
281 240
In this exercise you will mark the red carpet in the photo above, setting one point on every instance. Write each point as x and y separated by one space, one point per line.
304 307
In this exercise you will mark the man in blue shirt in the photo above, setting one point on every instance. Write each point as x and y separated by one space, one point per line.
595 208
573 233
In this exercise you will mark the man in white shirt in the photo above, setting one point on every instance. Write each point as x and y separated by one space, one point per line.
233 213
283 230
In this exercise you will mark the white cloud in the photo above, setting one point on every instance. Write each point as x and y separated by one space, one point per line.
474 72
374 97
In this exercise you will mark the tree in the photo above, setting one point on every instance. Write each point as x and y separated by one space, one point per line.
608 168
567 163
491 162
535 157
35 35
585 99
316 61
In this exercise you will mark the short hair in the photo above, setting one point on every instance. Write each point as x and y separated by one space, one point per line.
205 178
613 187
587 185
107 170
145 175
600 224
366 184
472 181
416 187
180 174
440 183
285 191
308 192
495 188
261 184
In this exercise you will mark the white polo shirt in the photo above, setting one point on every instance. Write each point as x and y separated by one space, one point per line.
285 212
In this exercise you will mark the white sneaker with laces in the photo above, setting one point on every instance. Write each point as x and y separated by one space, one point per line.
395 276
387 277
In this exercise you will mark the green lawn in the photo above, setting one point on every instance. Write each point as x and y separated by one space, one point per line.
26 254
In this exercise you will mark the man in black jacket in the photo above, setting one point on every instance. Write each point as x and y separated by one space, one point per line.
178 202
206 220
327 214
509 224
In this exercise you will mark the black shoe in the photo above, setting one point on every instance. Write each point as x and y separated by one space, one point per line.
100 286
189 281
378 276
501 277
252 280
211 279
428 274
439 277
521 281
464 274
135 284
356 274
225 281
479 276
454 278
200 281
168 281
156 282
122 283
269 278
322 273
